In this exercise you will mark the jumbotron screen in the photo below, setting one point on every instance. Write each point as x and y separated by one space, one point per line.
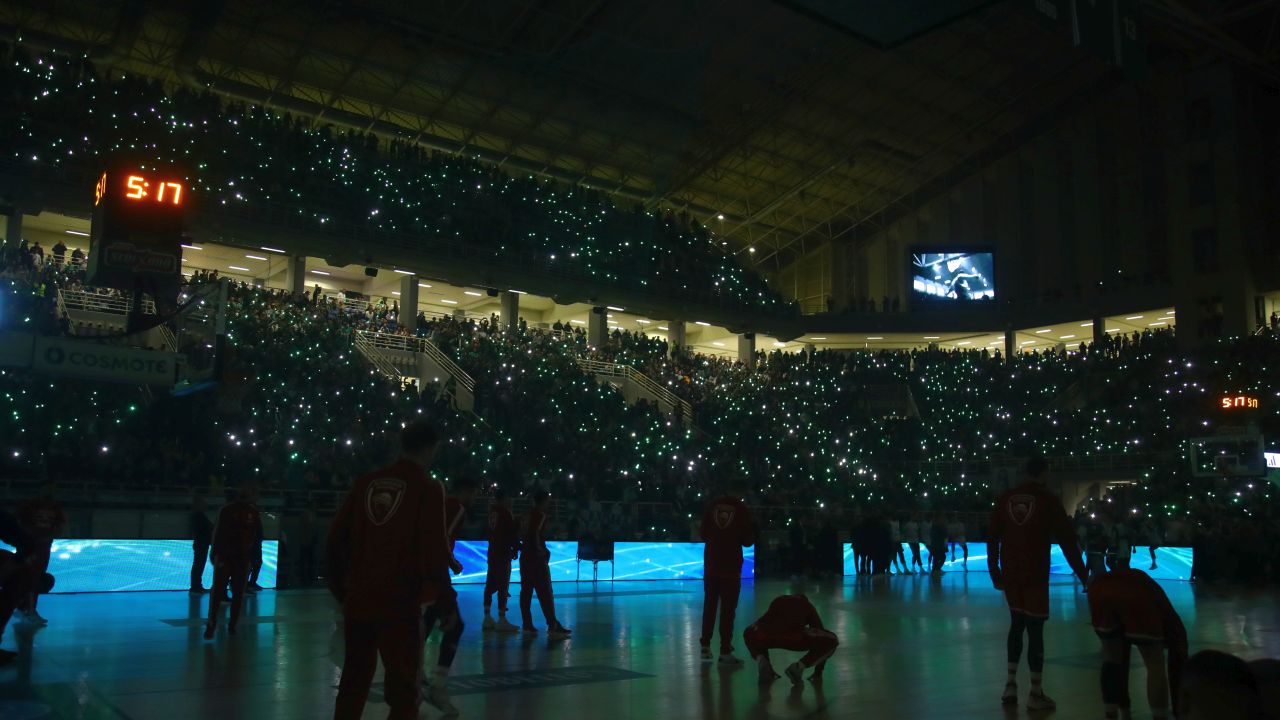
953 276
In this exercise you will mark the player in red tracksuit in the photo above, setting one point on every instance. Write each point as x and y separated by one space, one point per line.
235 542
42 518
791 623
388 554
535 571
1129 608
727 527
504 547
445 611
1026 521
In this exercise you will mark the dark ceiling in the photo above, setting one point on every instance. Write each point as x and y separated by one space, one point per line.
797 126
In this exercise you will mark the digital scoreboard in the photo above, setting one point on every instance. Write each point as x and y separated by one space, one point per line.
136 235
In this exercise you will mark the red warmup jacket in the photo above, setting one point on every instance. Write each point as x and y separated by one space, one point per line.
504 535
455 518
388 548
535 544
726 529
1026 521
235 535
788 614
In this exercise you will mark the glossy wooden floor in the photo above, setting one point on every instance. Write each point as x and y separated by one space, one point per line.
911 648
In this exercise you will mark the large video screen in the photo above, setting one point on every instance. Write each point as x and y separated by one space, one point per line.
953 276
1172 563
81 566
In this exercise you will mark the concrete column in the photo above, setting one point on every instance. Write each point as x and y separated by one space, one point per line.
408 302
1099 330
510 311
1010 345
676 342
747 349
597 326
1239 307
297 275
13 227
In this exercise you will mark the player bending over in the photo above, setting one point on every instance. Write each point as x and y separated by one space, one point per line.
791 623
1128 608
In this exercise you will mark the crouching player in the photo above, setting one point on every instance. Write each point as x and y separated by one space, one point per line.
791 623
1128 608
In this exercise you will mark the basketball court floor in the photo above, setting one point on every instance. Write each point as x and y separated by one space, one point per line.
911 648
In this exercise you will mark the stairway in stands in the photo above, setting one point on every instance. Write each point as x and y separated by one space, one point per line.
635 386
404 358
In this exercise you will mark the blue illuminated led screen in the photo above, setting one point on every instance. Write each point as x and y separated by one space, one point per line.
1172 563
950 276
632 561
80 566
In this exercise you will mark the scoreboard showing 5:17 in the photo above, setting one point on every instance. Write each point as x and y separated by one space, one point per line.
136 235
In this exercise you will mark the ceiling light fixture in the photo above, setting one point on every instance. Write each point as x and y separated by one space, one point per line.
403 272
255 257
77 232
271 249
320 272
241 269
191 247
615 309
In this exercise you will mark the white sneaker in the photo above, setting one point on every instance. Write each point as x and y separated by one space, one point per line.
1040 701
706 655
505 627
730 659
488 625
795 673
438 697
1010 694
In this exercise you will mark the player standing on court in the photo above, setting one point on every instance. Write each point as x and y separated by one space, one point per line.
387 552
727 527
1129 608
445 611
504 547
232 553
535 571
1027 519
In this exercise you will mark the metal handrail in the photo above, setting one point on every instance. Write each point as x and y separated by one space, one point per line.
381 363
170 340
600 367
411 343
88 300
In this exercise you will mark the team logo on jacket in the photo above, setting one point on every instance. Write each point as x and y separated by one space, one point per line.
1022 507
723 516
383 498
